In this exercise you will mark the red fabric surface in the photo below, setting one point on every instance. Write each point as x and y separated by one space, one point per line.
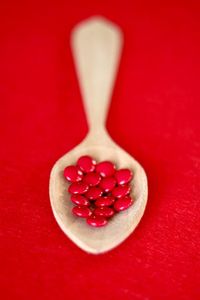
154 115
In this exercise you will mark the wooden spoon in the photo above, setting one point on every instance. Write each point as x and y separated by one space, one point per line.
96 45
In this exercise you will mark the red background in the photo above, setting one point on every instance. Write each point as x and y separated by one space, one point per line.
154 115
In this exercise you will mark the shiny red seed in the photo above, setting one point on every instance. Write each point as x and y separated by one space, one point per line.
73 174
104 211
121 191
92 178
97 221
78 188
80 200
107 184
86 164
105 201
94 193
123 176
105 168
81 211
123 203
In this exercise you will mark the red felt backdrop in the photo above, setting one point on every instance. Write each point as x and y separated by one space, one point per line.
154 115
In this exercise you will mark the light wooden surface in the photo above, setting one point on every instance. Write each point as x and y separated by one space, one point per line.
96 45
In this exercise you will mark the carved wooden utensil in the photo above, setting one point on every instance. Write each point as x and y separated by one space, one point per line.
96 46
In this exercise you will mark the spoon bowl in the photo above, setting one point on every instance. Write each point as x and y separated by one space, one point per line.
97 240
98 144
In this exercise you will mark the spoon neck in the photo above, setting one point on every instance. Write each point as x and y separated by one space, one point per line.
97 131
98 135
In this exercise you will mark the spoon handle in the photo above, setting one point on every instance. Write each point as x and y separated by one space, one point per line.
96 46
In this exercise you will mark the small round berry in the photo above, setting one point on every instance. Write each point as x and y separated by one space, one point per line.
121 191
123 203
81 211
97 221
92 178
107 184
73 174
94 193
105 168
123 176
105 201
78 188
80 200
86 164
104 212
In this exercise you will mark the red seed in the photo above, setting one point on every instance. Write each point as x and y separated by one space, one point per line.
81 211
87 185
78 188
123 203
73 174
107 184
94 193
97 221
86 164
123 176
105 168
105 201
92 178
104 211
121 191
80 200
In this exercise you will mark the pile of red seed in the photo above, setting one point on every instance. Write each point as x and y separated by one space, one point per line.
98 190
